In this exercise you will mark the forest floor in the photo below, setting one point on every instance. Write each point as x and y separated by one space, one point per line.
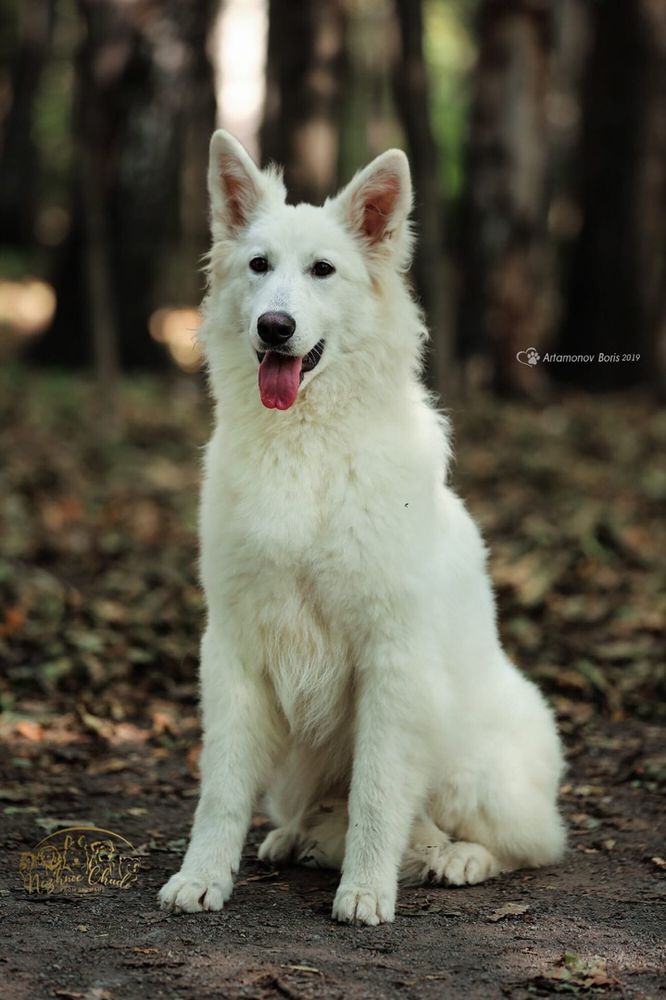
99 618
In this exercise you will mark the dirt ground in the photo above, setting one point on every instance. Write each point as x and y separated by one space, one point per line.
100 614
595 924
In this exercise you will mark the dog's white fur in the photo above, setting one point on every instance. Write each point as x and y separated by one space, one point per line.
351 666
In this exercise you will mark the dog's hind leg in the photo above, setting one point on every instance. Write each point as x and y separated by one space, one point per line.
426 845
433 857
495 838
506 816
324 836
297 786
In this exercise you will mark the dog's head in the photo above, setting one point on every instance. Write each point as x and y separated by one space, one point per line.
298 278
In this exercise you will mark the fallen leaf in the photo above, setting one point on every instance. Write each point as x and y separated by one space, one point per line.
192 759
508 910
30 731
14 621
164 723
108 766
17 794
584 973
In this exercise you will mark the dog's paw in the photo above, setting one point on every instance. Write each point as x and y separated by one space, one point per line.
465 864
195 891
363 904
280 845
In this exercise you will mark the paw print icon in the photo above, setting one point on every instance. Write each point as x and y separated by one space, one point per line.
529 357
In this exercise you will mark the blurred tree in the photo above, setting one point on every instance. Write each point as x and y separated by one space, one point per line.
367 121
18 153
144 109
506 302
410 86
306 58
616 299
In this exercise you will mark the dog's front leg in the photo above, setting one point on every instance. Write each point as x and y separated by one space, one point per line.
237 743
386 787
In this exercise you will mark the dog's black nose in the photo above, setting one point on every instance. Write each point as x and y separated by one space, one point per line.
275 328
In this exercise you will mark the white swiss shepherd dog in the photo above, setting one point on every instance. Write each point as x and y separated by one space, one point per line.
351 669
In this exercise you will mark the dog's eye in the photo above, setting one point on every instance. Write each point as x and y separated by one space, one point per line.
259 265
321 269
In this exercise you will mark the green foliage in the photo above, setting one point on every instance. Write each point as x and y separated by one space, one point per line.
450 51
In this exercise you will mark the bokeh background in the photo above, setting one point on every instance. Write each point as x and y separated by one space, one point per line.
536 130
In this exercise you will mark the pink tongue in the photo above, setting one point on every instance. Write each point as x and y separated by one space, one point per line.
279 379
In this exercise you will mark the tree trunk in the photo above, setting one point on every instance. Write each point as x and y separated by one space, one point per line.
367 117
651 191
618 273
99 287
144 111
410 86
18 154
506 296
306 57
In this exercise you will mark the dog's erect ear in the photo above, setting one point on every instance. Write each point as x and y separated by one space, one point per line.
236 185
376 203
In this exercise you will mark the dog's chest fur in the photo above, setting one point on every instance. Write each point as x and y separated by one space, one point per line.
303 540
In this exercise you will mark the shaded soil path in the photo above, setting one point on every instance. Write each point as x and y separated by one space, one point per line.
603 908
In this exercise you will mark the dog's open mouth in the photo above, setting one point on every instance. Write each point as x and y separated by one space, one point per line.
280 375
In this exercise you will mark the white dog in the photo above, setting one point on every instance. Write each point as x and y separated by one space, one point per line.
351 667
